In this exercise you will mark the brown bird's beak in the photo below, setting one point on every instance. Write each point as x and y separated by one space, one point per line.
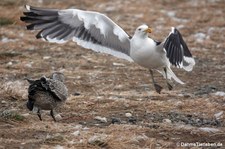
149 30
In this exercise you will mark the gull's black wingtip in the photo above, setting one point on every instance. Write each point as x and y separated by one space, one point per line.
38 36
23 18
30 27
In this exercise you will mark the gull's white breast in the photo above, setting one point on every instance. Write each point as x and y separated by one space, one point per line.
145 53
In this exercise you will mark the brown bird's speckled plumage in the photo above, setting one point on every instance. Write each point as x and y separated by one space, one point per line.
47 94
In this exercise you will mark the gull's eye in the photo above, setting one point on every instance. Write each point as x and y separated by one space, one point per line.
139 29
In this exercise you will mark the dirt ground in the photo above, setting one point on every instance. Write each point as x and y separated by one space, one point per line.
112 103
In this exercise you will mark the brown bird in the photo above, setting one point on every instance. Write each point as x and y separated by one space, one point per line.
47 94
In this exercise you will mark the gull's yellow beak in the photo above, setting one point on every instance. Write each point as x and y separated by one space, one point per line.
149 30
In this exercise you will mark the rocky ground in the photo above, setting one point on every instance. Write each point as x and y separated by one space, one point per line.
112 103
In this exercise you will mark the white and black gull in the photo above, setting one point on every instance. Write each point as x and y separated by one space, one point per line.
96 31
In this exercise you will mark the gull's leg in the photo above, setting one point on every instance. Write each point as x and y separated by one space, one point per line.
170 87
39 114
52 114
158 88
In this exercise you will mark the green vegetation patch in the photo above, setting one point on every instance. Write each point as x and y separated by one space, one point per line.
12 115
5 21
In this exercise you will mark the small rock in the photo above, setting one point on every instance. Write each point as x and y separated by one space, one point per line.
171 14
179 104
29 65
140 138
219 93
132 120
187 95
25 114
32 48
119 87
209 130
99 97
58 117
167 121
99 140
219 115
215 122
200 37
118 64
86 128
3 102
9 63
59 147
111 8
101 119
115 120
76 133
6 40
78 126
128 114
46 57
40 1
205 90
76 94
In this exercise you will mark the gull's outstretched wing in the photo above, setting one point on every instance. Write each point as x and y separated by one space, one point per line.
177 51
89 29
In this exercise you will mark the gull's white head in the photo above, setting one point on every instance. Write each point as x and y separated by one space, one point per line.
143 30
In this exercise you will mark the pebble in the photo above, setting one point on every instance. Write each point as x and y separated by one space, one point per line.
219 115
99 140
132 120
219 93
32 48
76 133
25 114
59 147
9 63
115 120
58 117
118 64
29 65
3 102
101 119
209 130
6 40
46 57
86 128
76 94
140 138
78 126
128 114
167 121
179 104
200 37
171 14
